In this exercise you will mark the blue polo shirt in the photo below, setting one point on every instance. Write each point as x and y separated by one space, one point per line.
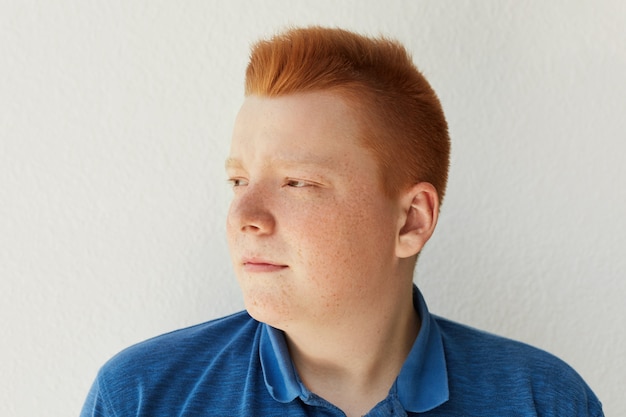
236 366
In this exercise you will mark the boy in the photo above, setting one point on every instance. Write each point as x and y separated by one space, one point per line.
338 163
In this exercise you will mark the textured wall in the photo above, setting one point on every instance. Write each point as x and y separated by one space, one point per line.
114 123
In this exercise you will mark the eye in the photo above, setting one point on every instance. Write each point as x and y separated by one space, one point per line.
237 182
297 183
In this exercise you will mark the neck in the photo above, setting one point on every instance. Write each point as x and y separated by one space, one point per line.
353 364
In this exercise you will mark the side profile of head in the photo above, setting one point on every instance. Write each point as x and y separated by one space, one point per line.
338 161
401 119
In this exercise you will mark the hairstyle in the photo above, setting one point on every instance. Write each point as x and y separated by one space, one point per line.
401 118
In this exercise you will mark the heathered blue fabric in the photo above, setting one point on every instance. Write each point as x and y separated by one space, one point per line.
236 366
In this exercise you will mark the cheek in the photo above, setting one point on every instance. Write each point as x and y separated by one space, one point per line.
339 238
229 226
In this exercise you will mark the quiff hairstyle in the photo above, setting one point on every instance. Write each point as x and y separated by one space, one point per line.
400 116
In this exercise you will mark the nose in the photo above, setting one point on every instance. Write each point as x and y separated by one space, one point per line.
249 212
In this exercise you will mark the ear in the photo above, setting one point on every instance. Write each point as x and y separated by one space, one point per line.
420 205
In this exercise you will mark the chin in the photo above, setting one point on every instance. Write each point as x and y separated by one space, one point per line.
267 311
270 318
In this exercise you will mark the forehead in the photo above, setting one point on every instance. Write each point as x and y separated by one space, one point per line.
318 127
316 112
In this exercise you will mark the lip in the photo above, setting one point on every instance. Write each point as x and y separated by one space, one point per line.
261 265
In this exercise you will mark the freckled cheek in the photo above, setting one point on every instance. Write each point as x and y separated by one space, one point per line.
327 240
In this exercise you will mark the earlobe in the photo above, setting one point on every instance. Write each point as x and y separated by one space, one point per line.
420 205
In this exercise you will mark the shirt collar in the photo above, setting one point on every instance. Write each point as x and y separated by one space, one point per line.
421 385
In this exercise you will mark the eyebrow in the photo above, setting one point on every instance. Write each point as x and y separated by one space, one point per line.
232 163
309 160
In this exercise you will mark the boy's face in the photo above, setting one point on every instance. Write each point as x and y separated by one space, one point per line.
312 236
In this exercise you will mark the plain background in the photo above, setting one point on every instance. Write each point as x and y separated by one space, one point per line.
115 119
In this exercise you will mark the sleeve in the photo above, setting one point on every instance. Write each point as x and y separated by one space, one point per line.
95 404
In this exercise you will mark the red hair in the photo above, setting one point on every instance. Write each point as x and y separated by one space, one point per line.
401 117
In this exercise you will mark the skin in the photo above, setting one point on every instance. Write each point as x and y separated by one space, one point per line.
319 250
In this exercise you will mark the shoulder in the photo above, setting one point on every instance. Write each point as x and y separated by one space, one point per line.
164 367
473 346
198 366
205 339
484 365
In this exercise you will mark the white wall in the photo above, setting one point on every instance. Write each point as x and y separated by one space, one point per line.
115 119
